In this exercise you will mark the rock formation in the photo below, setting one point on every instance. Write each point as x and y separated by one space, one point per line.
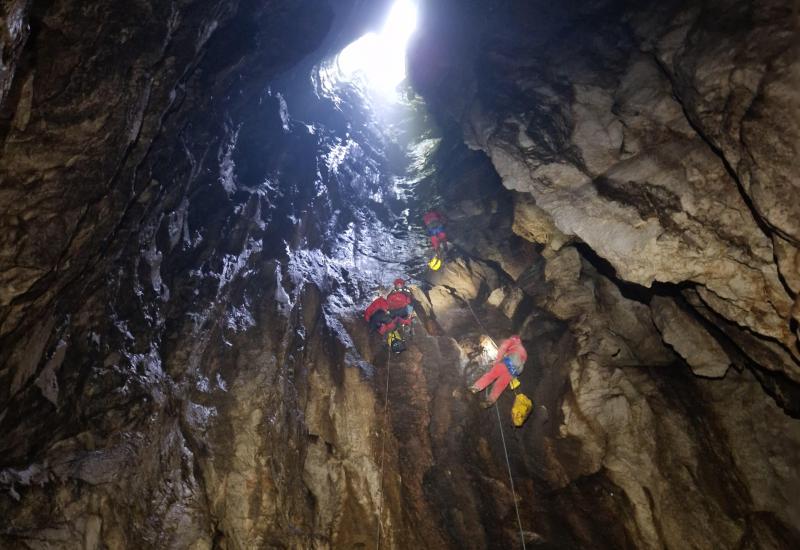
195 213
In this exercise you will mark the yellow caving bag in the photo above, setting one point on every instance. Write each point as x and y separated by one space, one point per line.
514 383
435 263
521 409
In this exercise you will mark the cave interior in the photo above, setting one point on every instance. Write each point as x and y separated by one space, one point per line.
199 199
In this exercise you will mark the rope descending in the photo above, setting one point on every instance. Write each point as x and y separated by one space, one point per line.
480 325
378 534
500 423
510 477
383 454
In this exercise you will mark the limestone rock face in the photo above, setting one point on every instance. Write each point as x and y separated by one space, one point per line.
641 140
159 346
635 435
736 73
630 137
535 225
697 347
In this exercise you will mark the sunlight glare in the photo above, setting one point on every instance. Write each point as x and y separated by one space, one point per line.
380 57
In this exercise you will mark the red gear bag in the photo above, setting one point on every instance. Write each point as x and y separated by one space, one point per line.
377 304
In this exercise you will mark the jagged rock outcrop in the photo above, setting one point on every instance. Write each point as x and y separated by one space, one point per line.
624 129
630 414
629 132
690 339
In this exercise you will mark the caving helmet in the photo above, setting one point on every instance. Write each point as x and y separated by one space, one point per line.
399 283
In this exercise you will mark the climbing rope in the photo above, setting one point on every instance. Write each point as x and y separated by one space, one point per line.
483 328
383 441
500 424
383 447
510 477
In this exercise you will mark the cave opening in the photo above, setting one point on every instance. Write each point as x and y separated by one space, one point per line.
185 267
379 58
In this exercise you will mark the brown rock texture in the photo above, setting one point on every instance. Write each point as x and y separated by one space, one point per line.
637 132
195 213
631 135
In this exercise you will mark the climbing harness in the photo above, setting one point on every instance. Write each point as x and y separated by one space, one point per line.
510 366
435 230
383 448
395 342
510 477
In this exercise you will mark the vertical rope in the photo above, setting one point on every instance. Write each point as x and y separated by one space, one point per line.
480 325
502 435
383 454
510 477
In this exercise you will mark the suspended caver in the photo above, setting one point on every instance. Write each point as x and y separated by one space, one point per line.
391 315
511 357
434 227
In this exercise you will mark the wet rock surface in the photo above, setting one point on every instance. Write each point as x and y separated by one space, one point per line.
600 126
624 134
191 228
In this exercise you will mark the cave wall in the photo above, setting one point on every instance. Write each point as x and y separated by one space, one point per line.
191 228
630 136
632 129
628 447
150 176
191 232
